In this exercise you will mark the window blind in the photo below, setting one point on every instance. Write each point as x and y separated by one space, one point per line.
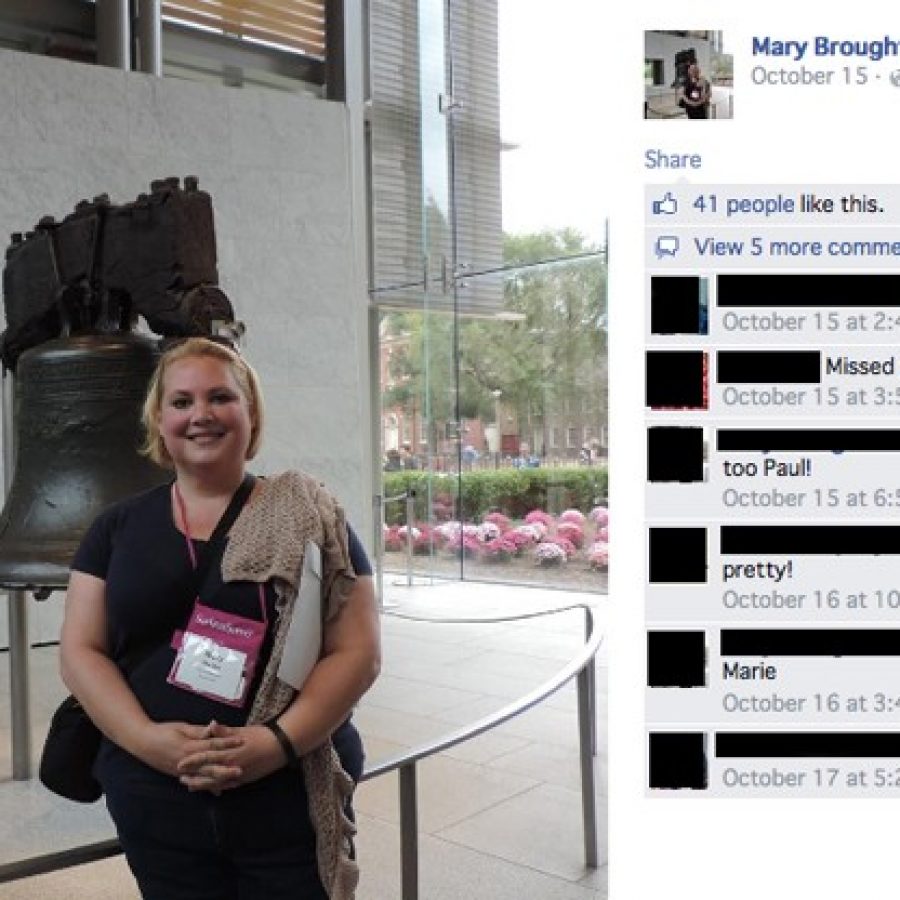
297 25
428 55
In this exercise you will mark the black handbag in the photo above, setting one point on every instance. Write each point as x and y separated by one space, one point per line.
69 753
73 740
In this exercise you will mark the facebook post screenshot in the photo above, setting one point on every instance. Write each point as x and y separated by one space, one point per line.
451 449
754 721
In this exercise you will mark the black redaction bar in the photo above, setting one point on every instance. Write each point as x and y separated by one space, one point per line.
730 744
768 366
809 642
820 540
835 440
808 290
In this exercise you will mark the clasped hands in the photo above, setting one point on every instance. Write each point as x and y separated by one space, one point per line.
214 757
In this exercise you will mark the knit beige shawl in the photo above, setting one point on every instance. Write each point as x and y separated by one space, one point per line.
267 542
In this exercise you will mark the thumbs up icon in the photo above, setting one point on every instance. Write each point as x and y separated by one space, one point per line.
668 206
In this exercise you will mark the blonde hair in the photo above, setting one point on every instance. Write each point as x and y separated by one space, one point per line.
198 347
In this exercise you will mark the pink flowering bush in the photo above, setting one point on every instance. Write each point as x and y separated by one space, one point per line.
548 554
498 519
416 532
393 543
448 530
538 515
602 534
600 515
567 546
488 531
598 555
425 542
575 516
519 540
531 532
571 532
463 545
501 549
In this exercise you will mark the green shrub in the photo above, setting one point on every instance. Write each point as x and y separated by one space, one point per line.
513 492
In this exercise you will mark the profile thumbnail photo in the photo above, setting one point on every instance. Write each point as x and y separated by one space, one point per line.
687 75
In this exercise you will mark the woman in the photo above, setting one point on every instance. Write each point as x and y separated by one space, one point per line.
695 94
203 752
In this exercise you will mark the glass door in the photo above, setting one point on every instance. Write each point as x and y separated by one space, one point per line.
493 356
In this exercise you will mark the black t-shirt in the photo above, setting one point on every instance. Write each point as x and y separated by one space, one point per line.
136 549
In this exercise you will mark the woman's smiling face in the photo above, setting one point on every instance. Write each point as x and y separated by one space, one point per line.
205 418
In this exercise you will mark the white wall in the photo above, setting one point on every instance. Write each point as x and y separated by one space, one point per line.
278 168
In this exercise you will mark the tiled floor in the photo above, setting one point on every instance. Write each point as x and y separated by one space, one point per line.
499 816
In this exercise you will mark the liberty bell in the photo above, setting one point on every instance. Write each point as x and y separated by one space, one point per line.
77 408
73 293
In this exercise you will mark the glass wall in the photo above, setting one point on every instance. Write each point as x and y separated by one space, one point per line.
493 327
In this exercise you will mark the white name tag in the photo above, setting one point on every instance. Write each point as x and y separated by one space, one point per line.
210 668
303 643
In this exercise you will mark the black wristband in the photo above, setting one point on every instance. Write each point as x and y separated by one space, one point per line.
293 761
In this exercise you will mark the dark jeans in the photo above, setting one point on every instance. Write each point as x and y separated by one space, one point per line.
251 843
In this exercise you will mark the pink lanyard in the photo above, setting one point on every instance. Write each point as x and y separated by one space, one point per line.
193 553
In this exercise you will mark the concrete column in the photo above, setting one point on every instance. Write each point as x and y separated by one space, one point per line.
347 42
149 26
113 34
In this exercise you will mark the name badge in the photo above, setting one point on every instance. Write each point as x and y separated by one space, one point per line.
217 653
210 668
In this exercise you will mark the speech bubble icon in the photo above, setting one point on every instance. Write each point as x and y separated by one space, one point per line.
667 245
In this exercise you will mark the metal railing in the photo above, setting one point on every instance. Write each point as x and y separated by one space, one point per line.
582 666
409 498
